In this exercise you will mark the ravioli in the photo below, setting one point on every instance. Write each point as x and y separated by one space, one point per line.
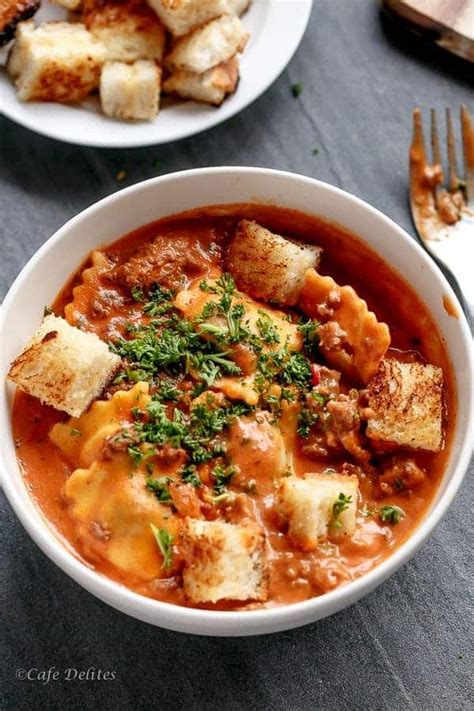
81 439
113 510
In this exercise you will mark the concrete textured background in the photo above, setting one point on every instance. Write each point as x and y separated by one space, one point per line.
409 643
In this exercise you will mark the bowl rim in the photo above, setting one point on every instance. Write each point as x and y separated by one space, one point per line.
269 619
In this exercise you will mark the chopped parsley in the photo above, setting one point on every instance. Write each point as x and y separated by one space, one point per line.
137 293
267 329
341 504
160 487
194 432
190 475
306 419
222 476
309 329
74 432
172 347
391 514
164 541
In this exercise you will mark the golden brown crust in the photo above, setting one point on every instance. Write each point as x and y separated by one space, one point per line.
407 401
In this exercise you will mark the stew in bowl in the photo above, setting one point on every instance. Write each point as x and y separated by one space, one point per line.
236 407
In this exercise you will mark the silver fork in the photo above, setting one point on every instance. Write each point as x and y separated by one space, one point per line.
444 214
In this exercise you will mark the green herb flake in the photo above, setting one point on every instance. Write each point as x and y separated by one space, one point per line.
297 89
222 476
137 293
391 514
74 432
164 541
306 419
160 487
340 505
47 311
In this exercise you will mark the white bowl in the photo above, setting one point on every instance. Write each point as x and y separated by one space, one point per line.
45 274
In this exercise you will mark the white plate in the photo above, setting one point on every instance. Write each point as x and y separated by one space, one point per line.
276 28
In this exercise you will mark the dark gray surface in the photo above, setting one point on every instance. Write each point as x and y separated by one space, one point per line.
409 643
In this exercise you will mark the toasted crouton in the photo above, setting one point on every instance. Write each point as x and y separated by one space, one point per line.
63 366
16 58
208 46
211 87
317 506
223 561
57 61
407 399
268 266
13 12
129 30
130 91
182 16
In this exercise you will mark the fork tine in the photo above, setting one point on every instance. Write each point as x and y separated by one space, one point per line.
418 137
468 149
452 161
435 139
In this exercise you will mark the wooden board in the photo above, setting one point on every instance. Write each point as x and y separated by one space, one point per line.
449 23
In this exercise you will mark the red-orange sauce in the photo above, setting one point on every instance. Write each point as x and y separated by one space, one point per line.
349 261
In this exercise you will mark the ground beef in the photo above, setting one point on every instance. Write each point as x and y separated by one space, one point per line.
400 475
164 261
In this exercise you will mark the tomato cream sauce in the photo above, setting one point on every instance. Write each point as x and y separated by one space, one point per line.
294 575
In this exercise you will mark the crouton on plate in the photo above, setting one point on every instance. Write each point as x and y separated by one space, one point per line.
57 61
268 266
130 91
223 561
317 506
210 87
182 16
208 46
63 366
12 12
407 399
129 30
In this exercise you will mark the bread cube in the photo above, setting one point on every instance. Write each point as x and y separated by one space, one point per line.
182 16
208 46
12 14
128 30
56 61
268 266
407 399
310 507
223 561
16 58
130 91
211 87
64 367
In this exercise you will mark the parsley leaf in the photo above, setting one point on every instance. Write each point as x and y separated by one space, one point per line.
222 476
340 505
391 514
160 487
164 541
